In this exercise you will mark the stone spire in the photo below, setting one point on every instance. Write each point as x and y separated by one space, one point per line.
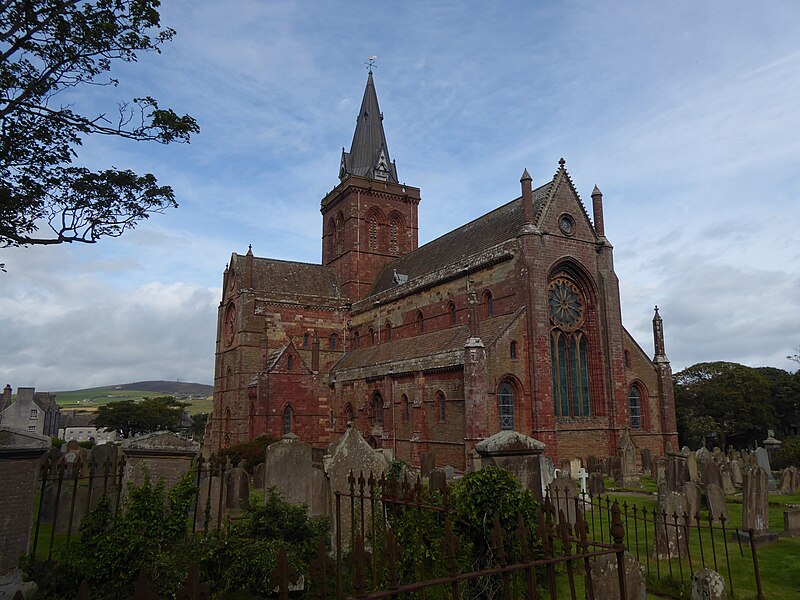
658 337
369 153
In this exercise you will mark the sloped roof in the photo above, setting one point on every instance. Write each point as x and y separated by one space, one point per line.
502 224
437 346
293 278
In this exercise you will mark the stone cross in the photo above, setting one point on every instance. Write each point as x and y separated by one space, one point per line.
583 476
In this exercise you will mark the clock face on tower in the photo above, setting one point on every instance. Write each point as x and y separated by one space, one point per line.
229 323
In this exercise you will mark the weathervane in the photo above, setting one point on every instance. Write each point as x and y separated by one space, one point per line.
371 63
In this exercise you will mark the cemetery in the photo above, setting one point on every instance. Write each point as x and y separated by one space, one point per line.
354 522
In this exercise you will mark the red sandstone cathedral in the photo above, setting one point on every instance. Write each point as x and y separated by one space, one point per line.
510 322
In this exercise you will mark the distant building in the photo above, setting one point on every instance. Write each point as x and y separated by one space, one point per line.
87 433
32 411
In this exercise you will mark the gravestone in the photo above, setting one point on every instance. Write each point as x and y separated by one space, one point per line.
79 510
708 585
352 454
165 455
259 473
518 454
437 480
771 445
691 467
627 476
661 469
762 458
677 472
736 472
592 464
208 502
646 461
237 490
715 499
449 471
703 455
693 496
605 577
669 538
597 484
548 472
711 475
727 480
791 523
575 468
427 463
788 481
755 504
562 493
288 468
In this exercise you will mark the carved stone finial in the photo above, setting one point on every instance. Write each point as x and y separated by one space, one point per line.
561 162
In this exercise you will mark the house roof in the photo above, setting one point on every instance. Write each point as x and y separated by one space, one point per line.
439 348
502 224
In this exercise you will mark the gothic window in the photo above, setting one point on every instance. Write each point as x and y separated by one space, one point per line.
339 234
356 340
334 341
331 244
305 340
331 420
373 232
635 407
451 308
505 397
287 419
441 405
512 350
377 407
488 301
569 354
393 237
420 322
388 330
348 414
627 359
289 362
371 336
406 408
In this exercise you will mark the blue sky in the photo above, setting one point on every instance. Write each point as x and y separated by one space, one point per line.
685 114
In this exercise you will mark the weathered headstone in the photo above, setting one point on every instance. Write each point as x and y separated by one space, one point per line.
736 472
677 472
669 537
352 455
548 470
437 480
661 469
237 490
592 464
516 453
791 523
691 467
787 483
762 458
164 454
562 493
693 495
575 468
711 474
627 476
727 480
287 467
708 585
646 461
427 463
755 504
605 577
703 454
259 473
715 499
597 486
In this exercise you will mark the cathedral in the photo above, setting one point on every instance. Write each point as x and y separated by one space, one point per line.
509 322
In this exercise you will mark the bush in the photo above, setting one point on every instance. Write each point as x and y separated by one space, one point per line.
788 455
248 454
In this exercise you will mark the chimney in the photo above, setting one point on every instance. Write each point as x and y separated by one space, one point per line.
597 208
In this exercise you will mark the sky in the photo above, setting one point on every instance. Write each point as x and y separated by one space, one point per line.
685 114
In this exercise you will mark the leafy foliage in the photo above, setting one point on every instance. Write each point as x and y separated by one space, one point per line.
788 455
132 418
736 397
47 48
784 398
199 422
248 454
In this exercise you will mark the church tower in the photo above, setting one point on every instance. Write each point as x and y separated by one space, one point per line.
370 218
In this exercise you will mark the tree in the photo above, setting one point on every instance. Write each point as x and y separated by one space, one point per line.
735 396
198 429
133 418
48 47
784 398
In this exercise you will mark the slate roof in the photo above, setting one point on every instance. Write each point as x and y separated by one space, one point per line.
293 278
438 346
368 140
502 224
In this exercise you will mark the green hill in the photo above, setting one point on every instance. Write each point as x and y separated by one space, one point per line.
198 395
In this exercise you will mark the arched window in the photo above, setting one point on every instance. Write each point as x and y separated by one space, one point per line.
406 408
377 407
420 322
349 417
371 336
512 350
635 407
505 402
388 332
289 362
331 244
334 341
488 301
373 232
287 419
441 405
356 340
339 234
393 237
331 420
627 359
305 340
569 355
451 308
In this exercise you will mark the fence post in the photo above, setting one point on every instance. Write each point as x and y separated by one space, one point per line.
618 533
755 564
